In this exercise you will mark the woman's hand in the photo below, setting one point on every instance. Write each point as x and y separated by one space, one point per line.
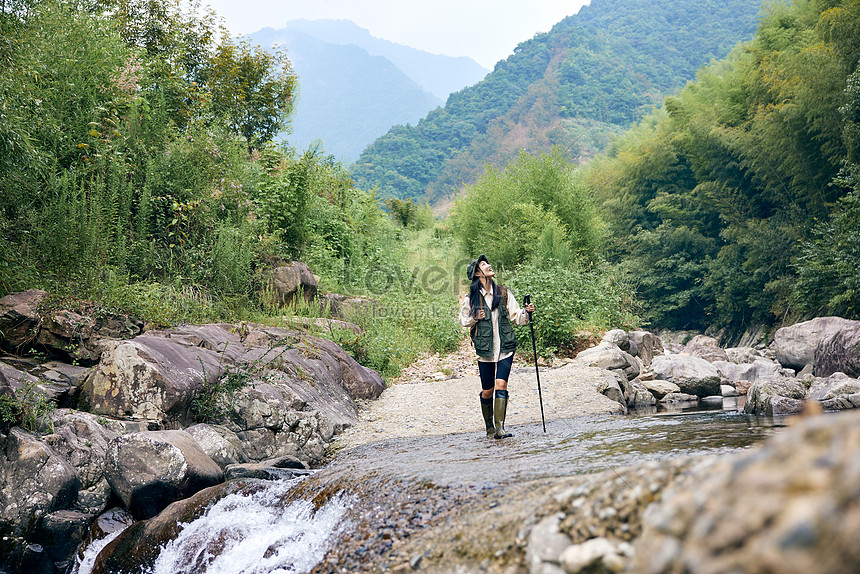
530 308
480 315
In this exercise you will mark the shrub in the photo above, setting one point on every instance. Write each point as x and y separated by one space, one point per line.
572 303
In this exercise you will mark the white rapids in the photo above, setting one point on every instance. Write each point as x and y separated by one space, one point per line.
252 534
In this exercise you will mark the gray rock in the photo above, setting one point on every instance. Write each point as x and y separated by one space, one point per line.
693 375
609 356
347 308
220 443
263 471
619 338
647 345
607 385
288 281
592 556
836 392
758 368
149 470
795 345
788 505
740 355
19 318
34 481
660 388
839 352
679 398
149 378
706 348
728 391
60 533
639 395
83 442
762 396
545 545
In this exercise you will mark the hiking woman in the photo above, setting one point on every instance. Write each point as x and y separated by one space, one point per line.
488 310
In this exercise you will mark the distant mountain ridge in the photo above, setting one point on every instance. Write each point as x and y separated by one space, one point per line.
354 87
589 78
439 74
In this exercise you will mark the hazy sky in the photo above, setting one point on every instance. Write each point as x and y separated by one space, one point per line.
485 30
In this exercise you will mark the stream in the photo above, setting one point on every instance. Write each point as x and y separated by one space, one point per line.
371 505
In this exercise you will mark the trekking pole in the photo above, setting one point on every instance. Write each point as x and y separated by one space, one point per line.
527 299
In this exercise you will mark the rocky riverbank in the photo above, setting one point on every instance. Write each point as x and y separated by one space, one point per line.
152 417
149 417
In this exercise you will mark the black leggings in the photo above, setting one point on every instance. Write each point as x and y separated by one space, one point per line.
492 371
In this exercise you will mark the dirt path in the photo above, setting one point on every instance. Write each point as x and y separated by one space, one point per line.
439 395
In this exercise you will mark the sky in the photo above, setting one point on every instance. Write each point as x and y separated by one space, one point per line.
485 30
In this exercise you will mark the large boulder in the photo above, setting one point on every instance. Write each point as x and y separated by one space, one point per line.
149 470
34 481
705 347
609 356
693 375
839 352
795 345
19 318
150 378
776 396
288 281
759 368
220 443
77 336
82 441
791 505
647 345
347 308
618 337
836 392
660 388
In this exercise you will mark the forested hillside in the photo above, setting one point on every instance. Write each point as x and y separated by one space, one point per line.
737 203
590 77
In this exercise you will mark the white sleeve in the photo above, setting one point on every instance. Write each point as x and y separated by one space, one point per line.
517 314
466 319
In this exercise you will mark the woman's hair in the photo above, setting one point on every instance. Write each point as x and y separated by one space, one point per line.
476 300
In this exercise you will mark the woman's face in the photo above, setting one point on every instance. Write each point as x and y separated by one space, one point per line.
485 270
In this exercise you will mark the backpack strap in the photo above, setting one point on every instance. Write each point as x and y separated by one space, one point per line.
504 291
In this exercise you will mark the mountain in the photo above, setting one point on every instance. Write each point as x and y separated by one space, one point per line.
351 91
438 74
587 79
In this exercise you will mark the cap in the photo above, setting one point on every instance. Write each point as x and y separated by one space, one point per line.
470 270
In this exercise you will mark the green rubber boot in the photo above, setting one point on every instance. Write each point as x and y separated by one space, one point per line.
500 408
487 411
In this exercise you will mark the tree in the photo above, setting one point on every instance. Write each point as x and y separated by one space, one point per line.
253 90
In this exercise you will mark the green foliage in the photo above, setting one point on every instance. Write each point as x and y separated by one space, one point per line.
711 199
29 408
590 77
253 88
533 210
829 281
215 399
573 304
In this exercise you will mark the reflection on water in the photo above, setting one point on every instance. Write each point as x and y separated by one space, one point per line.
570 446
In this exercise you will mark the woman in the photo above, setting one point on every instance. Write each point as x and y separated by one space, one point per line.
488 310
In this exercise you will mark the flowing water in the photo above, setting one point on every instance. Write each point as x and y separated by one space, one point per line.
403 485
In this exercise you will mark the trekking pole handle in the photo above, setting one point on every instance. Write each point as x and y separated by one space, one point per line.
526 300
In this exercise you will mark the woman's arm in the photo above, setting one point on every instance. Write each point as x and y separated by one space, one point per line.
517 314
465 317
